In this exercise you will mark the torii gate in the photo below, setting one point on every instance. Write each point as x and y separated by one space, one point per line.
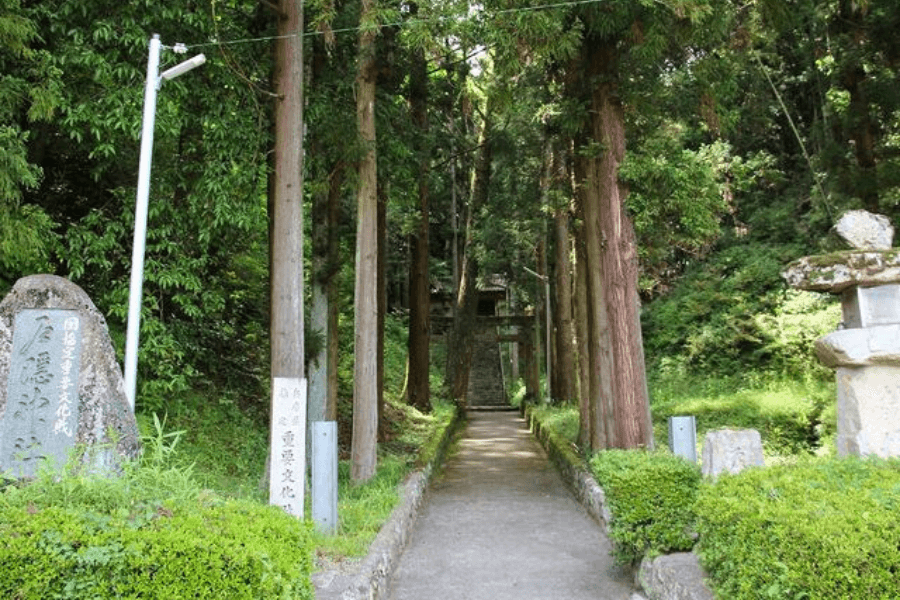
486 330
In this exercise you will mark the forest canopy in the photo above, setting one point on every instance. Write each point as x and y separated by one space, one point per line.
716 139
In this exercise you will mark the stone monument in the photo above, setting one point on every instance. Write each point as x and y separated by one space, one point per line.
61 388
731 451
865 351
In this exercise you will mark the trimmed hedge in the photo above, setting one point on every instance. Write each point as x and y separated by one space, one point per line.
819 530
651 496
233 549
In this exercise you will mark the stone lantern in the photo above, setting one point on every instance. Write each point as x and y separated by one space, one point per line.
865 351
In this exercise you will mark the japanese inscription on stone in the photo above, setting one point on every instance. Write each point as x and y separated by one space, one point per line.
287 477
41 415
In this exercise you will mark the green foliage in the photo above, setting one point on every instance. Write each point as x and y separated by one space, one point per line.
71 113
792 416
29 93
213 426
651 496
150 532
676 197
822 529
228 550
562 420
712 321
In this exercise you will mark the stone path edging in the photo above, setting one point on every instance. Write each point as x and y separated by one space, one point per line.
370 576
669 577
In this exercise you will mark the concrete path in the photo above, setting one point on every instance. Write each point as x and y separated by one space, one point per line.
499 524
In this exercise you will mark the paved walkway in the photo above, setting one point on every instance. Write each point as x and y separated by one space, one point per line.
499 524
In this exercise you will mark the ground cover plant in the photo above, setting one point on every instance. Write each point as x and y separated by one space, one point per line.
151 532
226 452
820 529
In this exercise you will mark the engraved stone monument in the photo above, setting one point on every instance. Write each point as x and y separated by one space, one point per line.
61 388
865 352
731 451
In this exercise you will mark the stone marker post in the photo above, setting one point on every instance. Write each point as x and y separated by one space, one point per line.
287 479
865 352
61 388
683 437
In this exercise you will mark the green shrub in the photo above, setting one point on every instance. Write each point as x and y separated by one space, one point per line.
818 530
651 496
151 532
229 550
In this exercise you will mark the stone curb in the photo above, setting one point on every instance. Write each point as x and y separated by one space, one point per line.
670 577
370 577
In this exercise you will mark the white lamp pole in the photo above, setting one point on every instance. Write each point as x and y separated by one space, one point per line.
154 81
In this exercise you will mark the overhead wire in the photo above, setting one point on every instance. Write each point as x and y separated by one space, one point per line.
308 34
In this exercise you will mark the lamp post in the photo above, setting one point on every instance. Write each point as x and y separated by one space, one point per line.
154 82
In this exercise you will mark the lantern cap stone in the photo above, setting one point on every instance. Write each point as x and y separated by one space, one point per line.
862 230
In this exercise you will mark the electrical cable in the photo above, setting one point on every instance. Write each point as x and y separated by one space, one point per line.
569 3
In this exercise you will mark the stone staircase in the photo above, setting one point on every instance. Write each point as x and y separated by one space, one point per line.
486 390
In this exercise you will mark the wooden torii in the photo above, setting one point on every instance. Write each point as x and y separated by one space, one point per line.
524 337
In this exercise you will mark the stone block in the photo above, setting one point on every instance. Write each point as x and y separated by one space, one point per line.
837 272
863 230
860 347
674 577
871 306
61 387
731 451
868 410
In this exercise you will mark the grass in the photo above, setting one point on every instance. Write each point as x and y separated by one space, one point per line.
363 509
226 449
563 420
793 417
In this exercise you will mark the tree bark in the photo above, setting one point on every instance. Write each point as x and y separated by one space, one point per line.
322 400
564 363
418 390
363 448
331 290
599 354
614 238
588 420
383 194
287 221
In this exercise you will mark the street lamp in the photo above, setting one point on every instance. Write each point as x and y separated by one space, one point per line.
154 82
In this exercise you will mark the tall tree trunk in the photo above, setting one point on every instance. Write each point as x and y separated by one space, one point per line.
599 352
543 312
564 363
322 403
462 344
541 321
418 389
383 194
618 265
587 429
331 291
363 447
287 222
